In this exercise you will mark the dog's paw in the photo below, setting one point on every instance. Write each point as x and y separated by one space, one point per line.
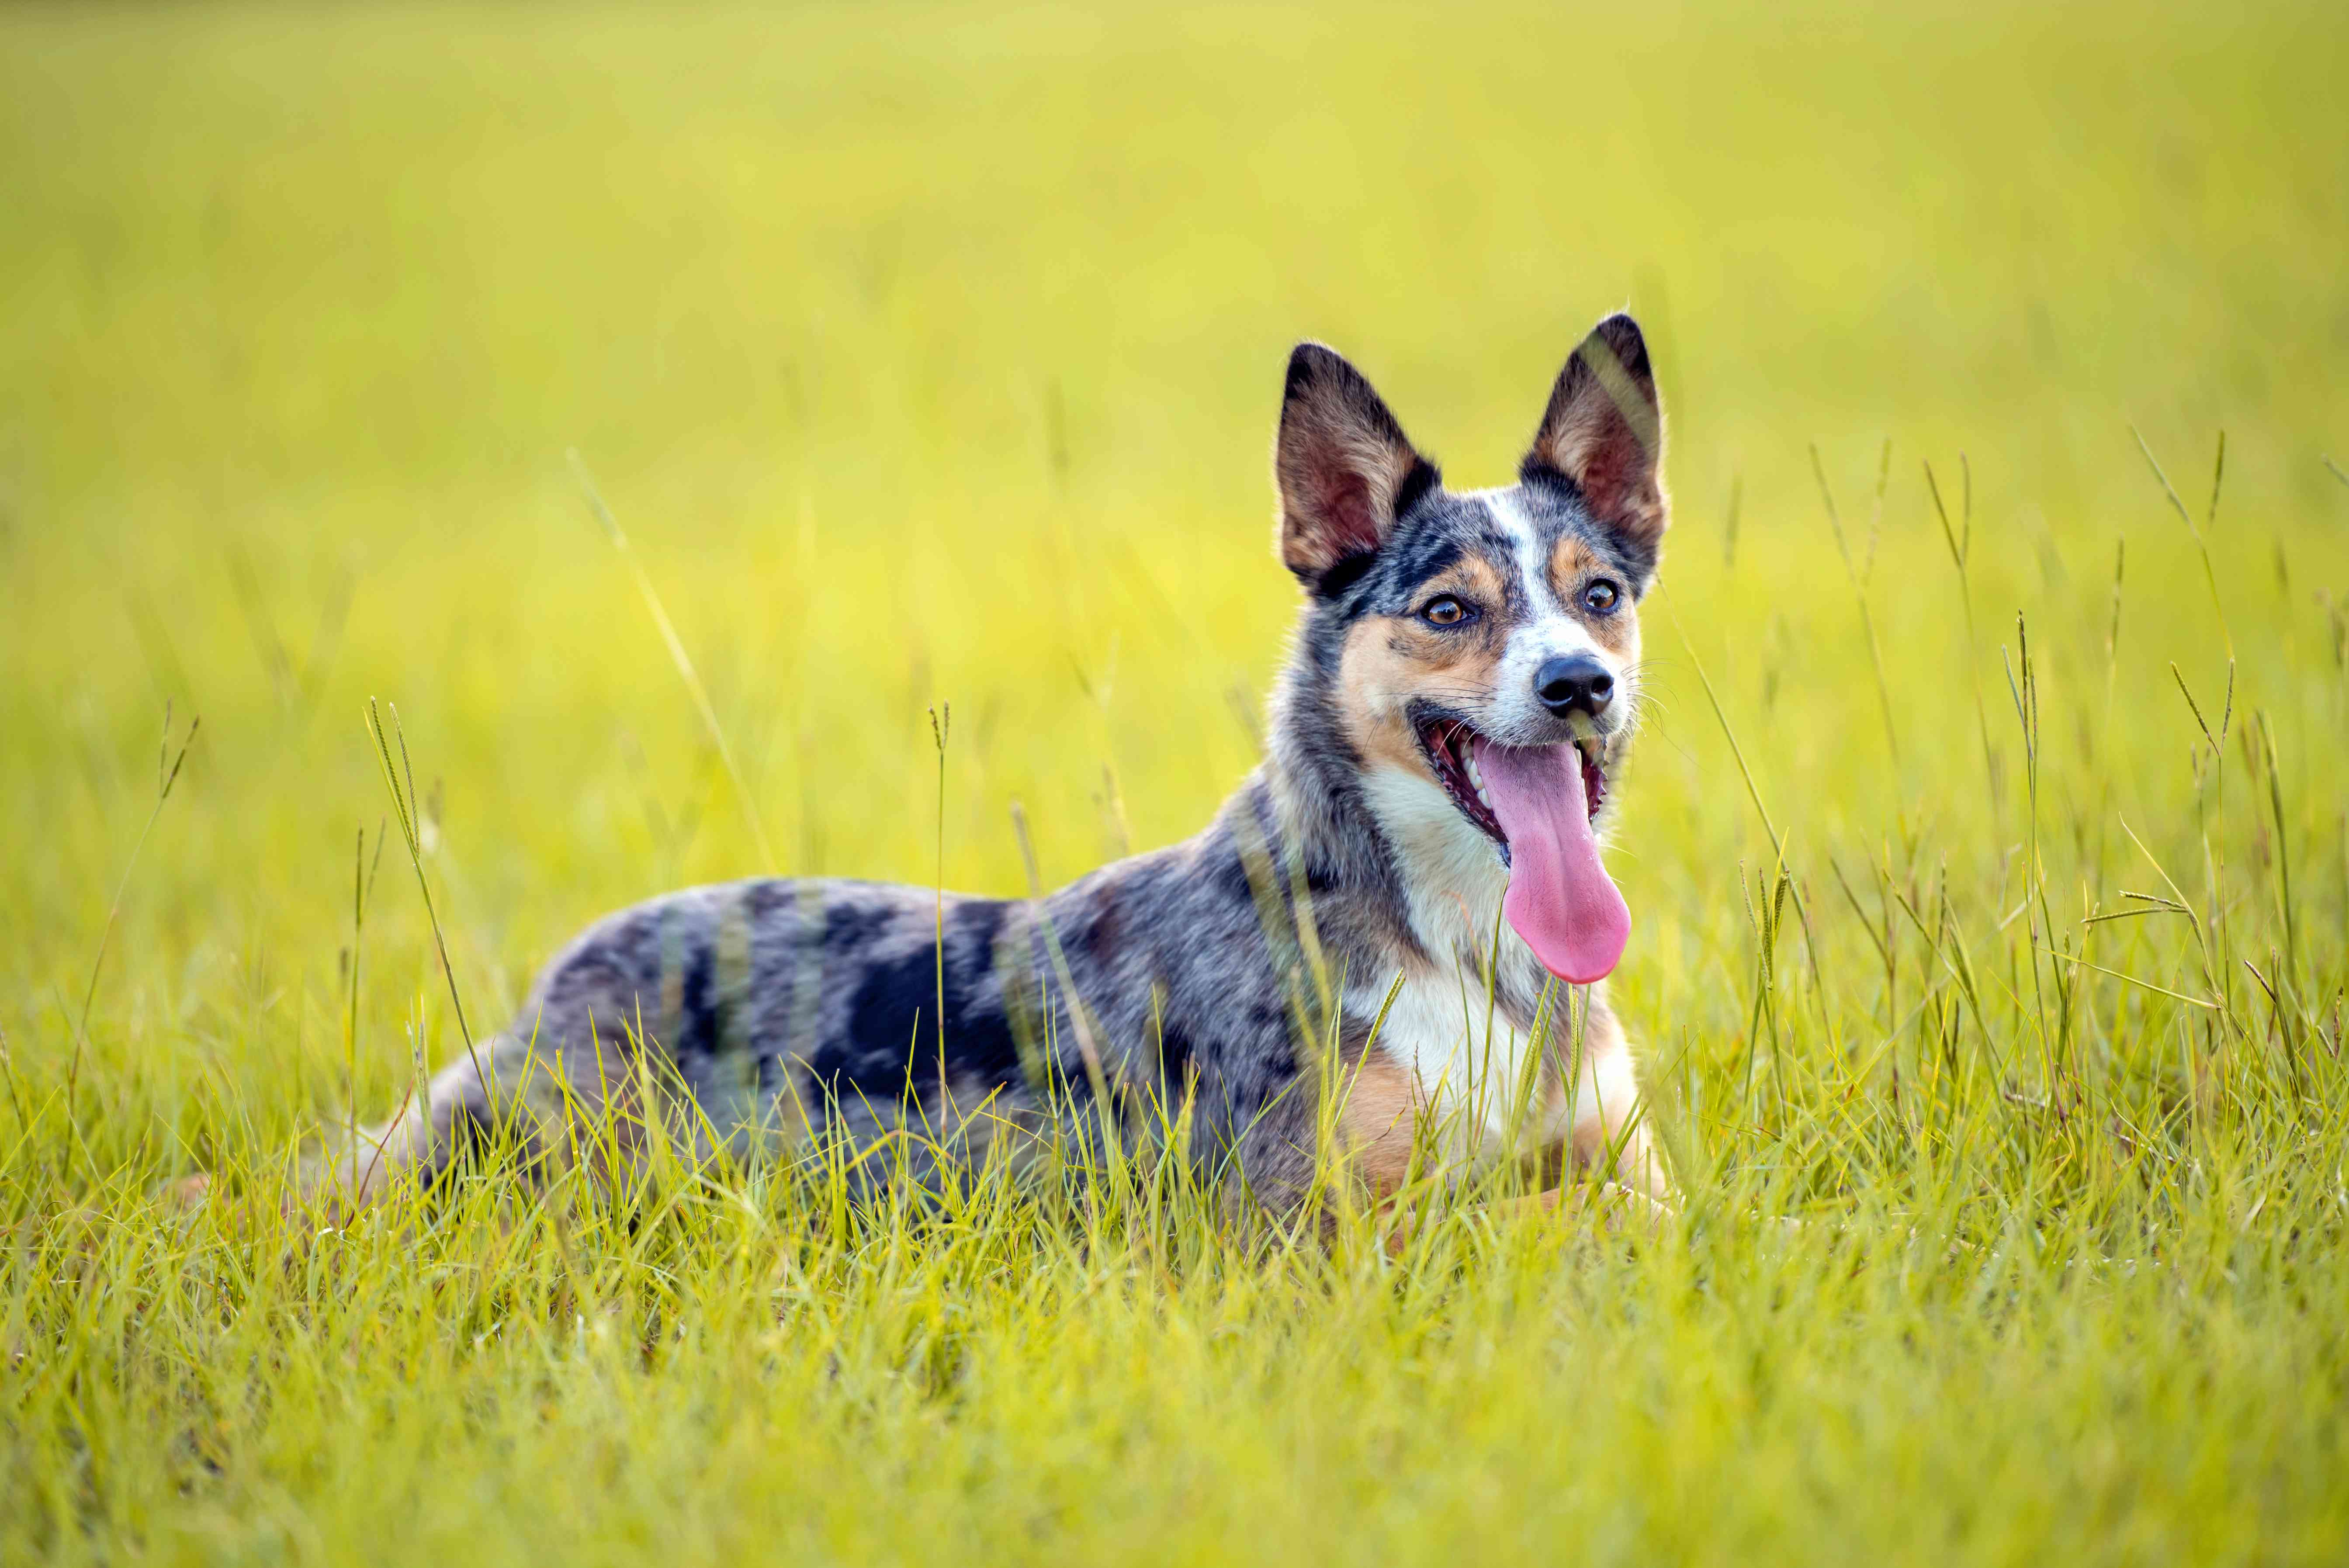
1627 1212
188 1193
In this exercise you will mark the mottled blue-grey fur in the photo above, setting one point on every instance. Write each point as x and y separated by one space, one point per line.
771 1016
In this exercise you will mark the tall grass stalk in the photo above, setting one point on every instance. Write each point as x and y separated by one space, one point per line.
2201 544
167 773
941 722
1959 540
400 782
363 877
678 657
1860 579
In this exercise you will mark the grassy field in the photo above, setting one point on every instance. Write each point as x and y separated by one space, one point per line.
931 354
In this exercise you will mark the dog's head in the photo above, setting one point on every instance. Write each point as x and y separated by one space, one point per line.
1485 647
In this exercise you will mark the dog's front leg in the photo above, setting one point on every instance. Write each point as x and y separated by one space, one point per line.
1610 1137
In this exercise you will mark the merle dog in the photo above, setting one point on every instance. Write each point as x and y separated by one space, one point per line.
1395 931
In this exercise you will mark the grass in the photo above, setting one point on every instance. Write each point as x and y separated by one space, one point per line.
1986 847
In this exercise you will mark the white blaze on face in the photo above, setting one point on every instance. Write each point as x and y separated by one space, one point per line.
1561 901
1548 630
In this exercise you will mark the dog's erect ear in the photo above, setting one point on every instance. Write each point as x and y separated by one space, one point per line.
1604 432
1345 469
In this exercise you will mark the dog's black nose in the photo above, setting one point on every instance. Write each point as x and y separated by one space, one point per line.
1572 682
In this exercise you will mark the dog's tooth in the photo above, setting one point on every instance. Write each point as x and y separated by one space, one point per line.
1474 776
1481 795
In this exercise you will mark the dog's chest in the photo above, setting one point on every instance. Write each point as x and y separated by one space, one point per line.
1474 1021
1479 1049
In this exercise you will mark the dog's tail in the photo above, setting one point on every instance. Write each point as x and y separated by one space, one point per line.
509 1094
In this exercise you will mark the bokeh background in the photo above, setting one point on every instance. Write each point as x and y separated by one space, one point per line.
930 354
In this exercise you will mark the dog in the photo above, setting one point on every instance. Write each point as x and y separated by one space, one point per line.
1392 940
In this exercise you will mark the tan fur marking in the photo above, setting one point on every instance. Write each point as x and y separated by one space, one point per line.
1390 659
1472 575
1375 679
1376 1120
1619 633
1571 566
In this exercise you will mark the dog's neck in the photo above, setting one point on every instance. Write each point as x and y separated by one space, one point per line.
1450 876
1391 842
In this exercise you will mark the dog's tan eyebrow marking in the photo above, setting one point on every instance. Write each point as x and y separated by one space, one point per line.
1476 580
1570 561
1471 575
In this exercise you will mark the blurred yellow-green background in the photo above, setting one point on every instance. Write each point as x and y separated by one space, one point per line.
930 354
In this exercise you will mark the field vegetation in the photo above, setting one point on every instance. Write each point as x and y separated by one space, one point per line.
1986 843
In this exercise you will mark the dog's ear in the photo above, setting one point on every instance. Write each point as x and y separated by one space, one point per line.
1344 467
1604 434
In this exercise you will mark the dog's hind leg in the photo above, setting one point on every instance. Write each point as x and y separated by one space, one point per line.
504 1094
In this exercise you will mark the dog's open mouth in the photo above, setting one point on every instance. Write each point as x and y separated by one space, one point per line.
1451 747
1537 804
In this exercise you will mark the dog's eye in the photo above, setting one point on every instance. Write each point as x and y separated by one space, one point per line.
1445 612
1600 596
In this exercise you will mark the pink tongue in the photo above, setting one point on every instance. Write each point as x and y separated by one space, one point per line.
1560 899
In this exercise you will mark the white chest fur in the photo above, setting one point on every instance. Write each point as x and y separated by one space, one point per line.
1490 1074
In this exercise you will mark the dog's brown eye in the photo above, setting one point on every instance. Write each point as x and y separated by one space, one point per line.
1445 612
1600 596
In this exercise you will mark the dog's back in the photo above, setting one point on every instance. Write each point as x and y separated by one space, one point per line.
776 1015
